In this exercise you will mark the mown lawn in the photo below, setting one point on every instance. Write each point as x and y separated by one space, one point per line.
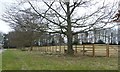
25 60
0 62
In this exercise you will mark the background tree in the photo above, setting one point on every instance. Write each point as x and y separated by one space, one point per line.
27 28
5 41
1 37
75 40
22 39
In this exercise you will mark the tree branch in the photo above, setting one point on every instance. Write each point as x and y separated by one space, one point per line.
55 11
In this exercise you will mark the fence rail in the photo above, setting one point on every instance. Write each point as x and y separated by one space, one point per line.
91 48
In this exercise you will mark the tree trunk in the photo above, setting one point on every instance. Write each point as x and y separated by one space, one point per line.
69 44
69 31
95 39
105 36
31 46
111 37
99 36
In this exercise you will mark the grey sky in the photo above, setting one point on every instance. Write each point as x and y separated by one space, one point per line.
4 27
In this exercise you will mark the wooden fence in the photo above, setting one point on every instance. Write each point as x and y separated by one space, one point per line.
84 49
99 49
93 48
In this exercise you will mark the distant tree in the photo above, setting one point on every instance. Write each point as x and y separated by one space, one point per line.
95 35
5 41
118 42
53 42
27 27
76 40
105 36
23 39
1 37
100 42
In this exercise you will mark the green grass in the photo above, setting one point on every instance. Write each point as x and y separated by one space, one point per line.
0 62
25 60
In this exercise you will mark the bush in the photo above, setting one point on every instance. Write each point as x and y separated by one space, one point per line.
114 43
9 46
52 43
119 43
100 42
86 43
75 43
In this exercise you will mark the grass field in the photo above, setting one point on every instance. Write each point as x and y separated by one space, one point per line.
0 62
26 60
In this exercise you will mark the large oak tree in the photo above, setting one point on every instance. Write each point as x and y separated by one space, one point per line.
70 18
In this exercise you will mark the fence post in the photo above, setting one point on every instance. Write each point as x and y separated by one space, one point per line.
60 49
47 48
83 49
64 49
76 48
52 50
55 49
93 50
107 50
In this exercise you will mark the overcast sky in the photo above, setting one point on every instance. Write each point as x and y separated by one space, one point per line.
4 27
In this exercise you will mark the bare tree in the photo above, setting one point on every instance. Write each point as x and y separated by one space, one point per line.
64 17
1 37
22 39
27 27
117 20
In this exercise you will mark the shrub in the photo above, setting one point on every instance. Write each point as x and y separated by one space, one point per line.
86 43
100 42
75 43
118 42
114 43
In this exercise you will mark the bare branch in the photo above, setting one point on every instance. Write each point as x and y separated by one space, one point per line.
63 7
55 11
